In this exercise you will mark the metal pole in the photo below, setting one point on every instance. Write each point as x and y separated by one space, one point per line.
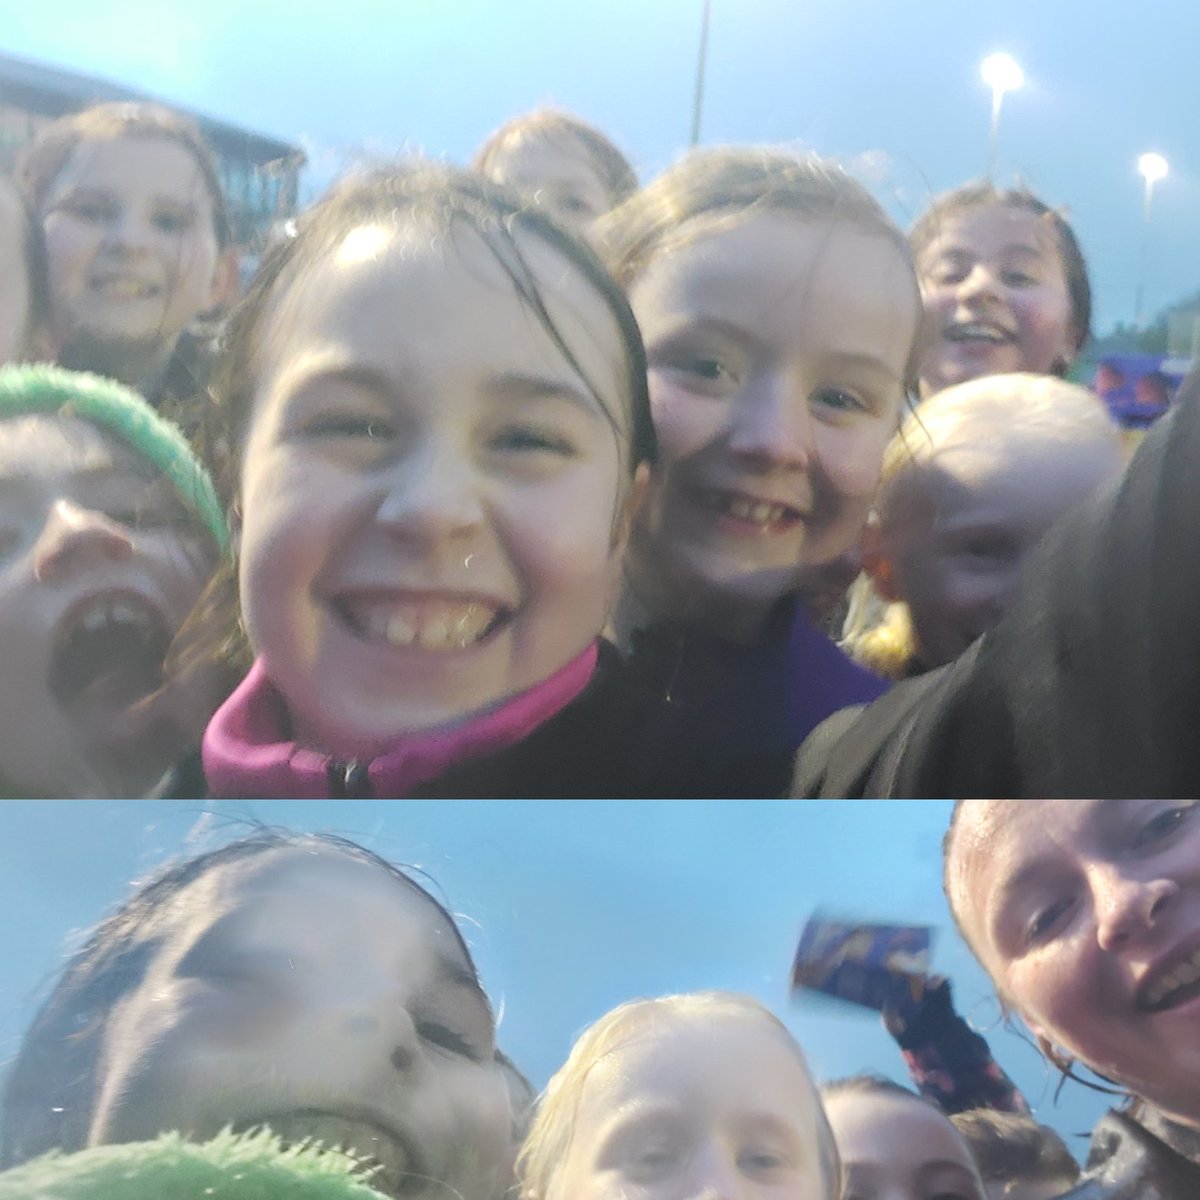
701 66
994 135
1144 255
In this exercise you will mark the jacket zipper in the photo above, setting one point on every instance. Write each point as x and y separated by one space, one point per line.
349 780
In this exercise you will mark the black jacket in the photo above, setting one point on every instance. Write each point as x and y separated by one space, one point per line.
1089 686
622 738
1150 1159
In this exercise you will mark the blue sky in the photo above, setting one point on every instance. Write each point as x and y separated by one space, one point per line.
570 907
891 84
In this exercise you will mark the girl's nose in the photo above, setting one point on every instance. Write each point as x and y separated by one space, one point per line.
771 425
1128 910
376 1026
716 1174
76 539
981 281
432 495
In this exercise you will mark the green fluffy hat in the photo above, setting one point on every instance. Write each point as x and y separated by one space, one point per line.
120 411
253 1166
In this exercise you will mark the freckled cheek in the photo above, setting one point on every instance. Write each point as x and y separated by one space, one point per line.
685 424
852 459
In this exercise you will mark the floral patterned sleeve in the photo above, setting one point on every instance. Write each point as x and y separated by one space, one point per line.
948 1061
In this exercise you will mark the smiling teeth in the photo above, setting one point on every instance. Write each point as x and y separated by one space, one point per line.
755 511
125 288
975 332
444 627
1187 972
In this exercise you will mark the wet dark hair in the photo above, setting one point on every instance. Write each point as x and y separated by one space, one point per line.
43 159
928 226
33 250
554 125
1010 1147
53 1082
410 192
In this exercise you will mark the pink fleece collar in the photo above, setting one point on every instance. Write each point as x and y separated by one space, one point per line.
247 751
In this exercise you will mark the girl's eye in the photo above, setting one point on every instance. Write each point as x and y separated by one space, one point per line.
654 1158
91 210
447 1039
712 370
1043 922
1162 825
349 426
1019 279
528 438
838 400
760 1160
169 222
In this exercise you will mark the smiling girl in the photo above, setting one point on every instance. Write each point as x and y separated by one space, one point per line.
137 235
439 400
779 307
1087 918
1004 284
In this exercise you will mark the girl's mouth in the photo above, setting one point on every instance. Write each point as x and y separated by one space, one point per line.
429 622
122 287
754 513
108 654
388 1164
1172 988
979 333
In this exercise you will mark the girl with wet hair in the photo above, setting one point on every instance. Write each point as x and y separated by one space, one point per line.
437 402
288 981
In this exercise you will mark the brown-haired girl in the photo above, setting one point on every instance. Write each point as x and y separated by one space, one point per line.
569 167
137 235
437 402
1004 283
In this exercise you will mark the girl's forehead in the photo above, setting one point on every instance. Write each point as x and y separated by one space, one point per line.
52 444
417 298
135 164
996 223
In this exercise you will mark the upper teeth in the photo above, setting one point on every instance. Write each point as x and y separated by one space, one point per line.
754 510
1186 972
113 612
974 330
125 287
437 626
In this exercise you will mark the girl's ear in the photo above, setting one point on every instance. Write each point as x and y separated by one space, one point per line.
878 565
224 292
633 503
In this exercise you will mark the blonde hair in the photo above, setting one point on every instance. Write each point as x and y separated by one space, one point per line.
1022 414
553 1129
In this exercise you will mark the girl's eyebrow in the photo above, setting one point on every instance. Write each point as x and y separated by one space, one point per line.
517 386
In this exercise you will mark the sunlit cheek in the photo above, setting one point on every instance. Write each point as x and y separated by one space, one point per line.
685 424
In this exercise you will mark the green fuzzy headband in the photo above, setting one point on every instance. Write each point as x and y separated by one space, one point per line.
253 1166
116 409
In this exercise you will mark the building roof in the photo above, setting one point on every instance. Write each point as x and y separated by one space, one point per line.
55 92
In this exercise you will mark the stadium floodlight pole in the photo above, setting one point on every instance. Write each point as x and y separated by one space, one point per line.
701 67
1151 167
1002 73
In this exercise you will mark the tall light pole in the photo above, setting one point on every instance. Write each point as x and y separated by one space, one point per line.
1002 73
1151 167
701 67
